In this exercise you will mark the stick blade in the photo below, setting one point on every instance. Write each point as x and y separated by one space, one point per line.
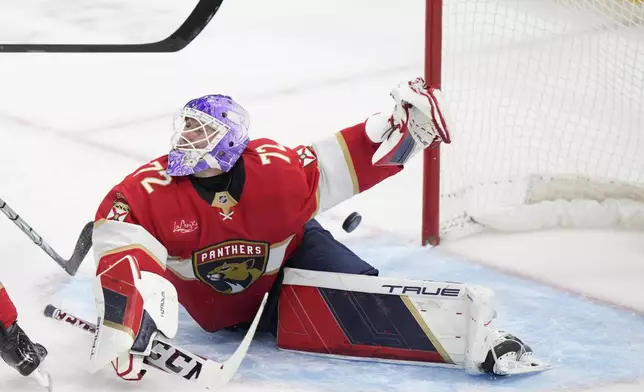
81 249
229 368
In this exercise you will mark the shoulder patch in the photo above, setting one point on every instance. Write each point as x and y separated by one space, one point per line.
306 155
120 209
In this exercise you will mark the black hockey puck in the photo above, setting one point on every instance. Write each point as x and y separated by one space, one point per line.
352 221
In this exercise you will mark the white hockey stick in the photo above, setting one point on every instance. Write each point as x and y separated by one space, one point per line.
171 359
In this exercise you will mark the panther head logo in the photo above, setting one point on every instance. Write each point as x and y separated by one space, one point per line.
231 267
236 276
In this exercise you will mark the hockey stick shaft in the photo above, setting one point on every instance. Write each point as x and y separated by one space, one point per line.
171 359
83 244
198 19
57 314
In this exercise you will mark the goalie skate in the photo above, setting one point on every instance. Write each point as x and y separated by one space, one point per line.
510 356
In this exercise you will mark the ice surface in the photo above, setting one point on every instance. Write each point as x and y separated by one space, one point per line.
73 125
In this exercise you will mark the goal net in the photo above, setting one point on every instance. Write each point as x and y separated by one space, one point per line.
546 98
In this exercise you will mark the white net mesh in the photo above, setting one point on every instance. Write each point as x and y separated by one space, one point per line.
552 87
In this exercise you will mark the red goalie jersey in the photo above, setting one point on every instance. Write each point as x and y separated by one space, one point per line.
221 241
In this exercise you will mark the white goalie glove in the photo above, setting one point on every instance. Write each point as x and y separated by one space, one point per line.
417 122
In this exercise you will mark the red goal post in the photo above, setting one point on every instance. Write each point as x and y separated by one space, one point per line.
431 157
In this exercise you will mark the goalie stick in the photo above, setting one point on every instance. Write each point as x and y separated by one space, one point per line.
174 360
188 31
83 244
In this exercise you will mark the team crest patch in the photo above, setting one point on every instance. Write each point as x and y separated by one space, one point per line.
306 155
232 266
119 211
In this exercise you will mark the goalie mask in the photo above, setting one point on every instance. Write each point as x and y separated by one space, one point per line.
209 132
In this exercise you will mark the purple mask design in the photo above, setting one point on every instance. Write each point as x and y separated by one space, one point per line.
217 143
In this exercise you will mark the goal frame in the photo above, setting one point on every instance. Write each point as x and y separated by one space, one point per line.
431 157
616 200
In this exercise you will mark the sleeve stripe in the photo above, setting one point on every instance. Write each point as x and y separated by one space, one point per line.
113 236
338 180
317 197
349 161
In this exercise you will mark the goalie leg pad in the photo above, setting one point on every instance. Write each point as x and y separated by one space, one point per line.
394 319
353 324
371 317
